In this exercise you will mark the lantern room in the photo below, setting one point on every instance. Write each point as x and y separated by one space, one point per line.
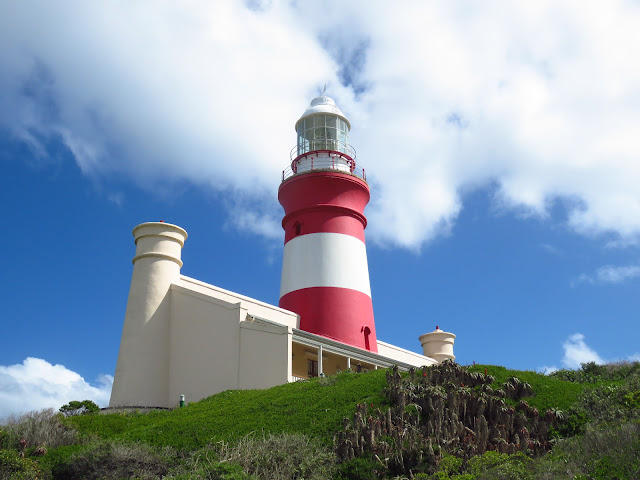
323 141
323 127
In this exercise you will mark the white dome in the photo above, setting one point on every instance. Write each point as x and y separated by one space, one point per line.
323 104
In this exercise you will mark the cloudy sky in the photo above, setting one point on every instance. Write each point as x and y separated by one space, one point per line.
501 142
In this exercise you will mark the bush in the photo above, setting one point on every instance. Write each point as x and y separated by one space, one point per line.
281 457
604 403
85 407
213 471
7 438
276 457
14 467
448 466
38 428
600 454
500 466
108 460
591 372
359 469
632 400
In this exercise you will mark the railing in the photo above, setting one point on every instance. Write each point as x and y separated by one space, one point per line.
324 160
298 379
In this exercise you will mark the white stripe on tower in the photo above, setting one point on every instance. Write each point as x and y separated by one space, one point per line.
325 260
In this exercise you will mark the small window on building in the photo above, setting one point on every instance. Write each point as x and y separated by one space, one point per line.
297 227
312 368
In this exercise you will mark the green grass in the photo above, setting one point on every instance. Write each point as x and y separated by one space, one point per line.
314 407
549 392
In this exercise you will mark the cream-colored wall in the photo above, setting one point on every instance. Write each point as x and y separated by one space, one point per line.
402 355
265 355
217 344
253 306
204 345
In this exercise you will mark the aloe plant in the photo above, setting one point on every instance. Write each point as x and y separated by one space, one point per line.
444 409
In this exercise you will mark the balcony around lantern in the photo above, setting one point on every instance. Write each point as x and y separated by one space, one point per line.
323 155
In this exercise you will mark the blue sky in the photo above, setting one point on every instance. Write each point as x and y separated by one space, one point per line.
500 142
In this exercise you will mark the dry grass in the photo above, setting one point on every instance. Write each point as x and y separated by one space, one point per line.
115 461
276 457
40 428
600 454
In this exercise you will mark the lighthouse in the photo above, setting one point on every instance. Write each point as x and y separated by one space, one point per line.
325 275
184 339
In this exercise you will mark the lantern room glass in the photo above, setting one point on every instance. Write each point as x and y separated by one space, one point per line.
322 132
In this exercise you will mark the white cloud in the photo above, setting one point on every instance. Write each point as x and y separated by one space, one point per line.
546 370
610 274
36 384
576 352
622 243
264 225
443 99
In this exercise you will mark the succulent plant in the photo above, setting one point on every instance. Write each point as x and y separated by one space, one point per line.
444 409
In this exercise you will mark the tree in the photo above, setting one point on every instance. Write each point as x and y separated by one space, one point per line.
85 407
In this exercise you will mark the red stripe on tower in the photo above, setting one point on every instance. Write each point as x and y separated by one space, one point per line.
325 275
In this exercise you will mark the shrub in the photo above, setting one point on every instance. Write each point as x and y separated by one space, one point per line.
283 456
449 465
213 471
604 403
7 438
602 453
449 468
445 409
39 428
108 460
591 372
14 467
85 407
632 400
359 469
500 466
277 457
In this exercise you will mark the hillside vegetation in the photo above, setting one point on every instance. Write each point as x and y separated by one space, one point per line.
442 422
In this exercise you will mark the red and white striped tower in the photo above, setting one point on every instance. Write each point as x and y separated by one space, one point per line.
325 276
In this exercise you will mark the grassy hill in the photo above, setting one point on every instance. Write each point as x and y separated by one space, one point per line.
295 431
315 408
